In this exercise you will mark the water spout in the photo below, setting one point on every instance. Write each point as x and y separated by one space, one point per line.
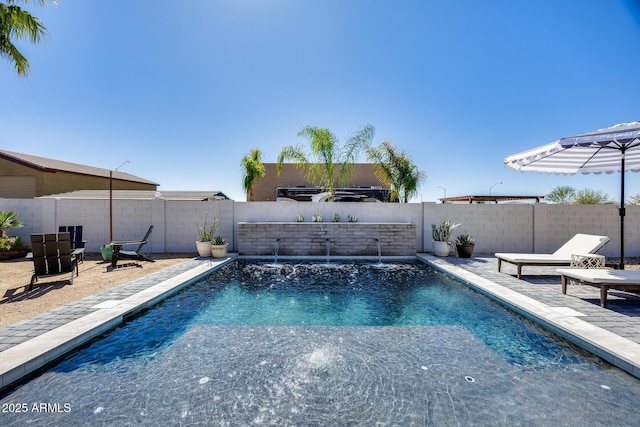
328 245
276 247
379 251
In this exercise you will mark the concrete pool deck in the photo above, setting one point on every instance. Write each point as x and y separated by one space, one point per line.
612 333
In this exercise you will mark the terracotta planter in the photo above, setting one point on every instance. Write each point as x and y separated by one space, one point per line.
219 251
441 248
204 248
464 251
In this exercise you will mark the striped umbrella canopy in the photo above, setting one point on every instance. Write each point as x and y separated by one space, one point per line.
613 149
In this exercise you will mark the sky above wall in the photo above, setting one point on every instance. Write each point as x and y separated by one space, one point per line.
183 90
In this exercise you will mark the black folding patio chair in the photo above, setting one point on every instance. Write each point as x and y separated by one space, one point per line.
77 244
137 255
51 254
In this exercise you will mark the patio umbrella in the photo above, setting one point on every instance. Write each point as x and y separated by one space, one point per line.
614 149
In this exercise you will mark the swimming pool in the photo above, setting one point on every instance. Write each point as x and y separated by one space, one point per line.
305 343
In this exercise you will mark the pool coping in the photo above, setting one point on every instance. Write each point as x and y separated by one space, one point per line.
27 357
619 351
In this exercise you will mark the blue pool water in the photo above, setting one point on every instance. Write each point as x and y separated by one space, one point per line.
330 344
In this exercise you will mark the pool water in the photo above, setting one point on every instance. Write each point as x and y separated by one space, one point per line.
366 294
330 344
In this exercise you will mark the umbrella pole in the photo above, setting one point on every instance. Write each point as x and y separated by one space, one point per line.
622 213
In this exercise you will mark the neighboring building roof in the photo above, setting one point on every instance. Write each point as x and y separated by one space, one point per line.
495 199
51 165
291 176
141 195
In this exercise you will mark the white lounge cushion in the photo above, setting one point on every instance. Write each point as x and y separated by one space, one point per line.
602 276
544 259
578 244
582 244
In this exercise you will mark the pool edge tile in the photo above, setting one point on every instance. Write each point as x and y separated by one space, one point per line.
619 351
29 356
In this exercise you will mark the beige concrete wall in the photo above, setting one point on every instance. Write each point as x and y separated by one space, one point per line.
497 228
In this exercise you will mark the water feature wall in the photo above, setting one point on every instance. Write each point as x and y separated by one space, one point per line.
309 238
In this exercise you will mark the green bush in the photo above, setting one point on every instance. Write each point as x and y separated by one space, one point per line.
11 244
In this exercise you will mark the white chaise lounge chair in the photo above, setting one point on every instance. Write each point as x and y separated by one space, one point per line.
622 280
578 244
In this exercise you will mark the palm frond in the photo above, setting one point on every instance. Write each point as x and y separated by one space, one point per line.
16 23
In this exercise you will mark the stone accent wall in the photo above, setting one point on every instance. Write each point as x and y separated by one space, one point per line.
309 238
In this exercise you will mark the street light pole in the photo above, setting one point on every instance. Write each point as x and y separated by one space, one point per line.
494 186
445 192
111 200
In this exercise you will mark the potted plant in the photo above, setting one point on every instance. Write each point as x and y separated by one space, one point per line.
218 247
206 233
107 252
464 245
441 235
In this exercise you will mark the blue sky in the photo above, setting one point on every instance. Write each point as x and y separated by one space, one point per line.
183 90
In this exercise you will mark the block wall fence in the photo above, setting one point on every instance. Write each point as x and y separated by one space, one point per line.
497 228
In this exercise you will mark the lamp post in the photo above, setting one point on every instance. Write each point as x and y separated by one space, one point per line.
445 192
494 186
111 200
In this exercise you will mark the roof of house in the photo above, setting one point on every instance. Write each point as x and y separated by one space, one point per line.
495 199
140 195
52 165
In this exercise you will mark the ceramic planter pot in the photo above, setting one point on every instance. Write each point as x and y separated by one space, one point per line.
219 251
204 248
441 248
107 253
464 251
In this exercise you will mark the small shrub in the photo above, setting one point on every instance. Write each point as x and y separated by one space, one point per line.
11 244
218 240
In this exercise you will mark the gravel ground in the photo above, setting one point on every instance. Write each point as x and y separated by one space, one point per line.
16 303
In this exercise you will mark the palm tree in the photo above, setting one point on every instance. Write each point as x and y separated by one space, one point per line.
18 24
396 170
321 165
9 219
411 178
253 169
